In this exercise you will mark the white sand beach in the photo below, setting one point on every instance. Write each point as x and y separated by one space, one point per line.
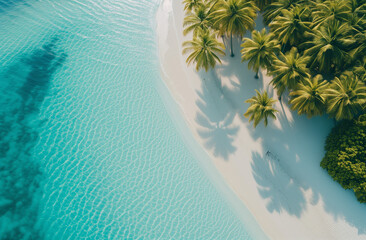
274 170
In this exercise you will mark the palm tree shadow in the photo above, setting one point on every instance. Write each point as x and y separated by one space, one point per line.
215 120
284 176
281 190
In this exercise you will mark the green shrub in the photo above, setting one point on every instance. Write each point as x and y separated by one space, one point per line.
345 158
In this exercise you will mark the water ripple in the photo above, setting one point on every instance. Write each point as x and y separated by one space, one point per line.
111 162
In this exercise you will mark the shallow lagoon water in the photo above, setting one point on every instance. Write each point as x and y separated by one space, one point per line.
89 149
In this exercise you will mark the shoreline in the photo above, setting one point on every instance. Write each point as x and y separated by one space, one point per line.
276 188
182 125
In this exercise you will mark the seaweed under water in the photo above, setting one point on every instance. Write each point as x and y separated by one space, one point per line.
26 86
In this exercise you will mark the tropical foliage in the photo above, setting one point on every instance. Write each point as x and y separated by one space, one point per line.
345 158
196 20
191 4
289 70
204 50
273 10
310 96
261 108
234 17
290 27
260 50
329 49
346 97
315 50
331 10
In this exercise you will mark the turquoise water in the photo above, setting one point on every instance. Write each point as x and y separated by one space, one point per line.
88 148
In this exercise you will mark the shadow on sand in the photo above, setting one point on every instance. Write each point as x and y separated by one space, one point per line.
288 168
215 119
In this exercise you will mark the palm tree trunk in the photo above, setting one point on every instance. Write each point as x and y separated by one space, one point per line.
231 44
256 75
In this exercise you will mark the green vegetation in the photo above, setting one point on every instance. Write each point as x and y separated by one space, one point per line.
346 97
315 49
345 159
288 70
309 97
260 50
204 49
234 17
261 107
316 52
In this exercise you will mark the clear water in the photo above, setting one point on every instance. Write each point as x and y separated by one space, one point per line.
88 149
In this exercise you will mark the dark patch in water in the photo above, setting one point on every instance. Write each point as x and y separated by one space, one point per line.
5 4
20 174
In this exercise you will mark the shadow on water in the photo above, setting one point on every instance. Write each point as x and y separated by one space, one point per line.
25 86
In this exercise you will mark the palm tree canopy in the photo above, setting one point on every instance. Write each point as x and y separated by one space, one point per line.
290 26
204 50
260 50
358 7
288 70
360 38
346 97
273 10
190 5
261 4
309 97
196 20
261 107
360 69
329 47
234 16
331 10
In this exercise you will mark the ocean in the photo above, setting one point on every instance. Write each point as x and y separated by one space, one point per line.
88 145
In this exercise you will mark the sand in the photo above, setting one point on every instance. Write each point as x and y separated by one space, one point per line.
273 170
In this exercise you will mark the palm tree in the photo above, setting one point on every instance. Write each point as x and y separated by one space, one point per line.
329 47
346 97
204 50
360 38
234 17
360 69
196 20
260 50
275 9
290 26
261 4
189 5
261 107
358 7
289 70
331 10
309 97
